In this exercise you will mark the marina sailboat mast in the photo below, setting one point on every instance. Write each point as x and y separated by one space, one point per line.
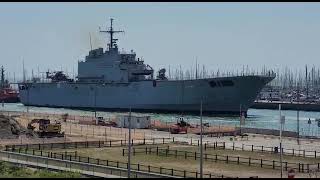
2 78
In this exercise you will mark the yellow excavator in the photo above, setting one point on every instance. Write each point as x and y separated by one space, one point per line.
46 129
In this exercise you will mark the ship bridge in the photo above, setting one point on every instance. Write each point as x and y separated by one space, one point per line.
112 65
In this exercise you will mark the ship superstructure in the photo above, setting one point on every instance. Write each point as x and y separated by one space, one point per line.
111 66
112 80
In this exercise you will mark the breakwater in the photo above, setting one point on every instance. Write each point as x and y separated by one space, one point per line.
286 105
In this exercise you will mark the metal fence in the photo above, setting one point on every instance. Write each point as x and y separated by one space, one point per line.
73 156
65 164
90 144
263 163
255 148
267 149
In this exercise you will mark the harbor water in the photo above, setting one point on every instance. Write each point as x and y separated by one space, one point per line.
257 118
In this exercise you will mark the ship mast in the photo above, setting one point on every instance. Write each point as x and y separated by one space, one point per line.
112 43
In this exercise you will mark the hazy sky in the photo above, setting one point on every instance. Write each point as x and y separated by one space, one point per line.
220 35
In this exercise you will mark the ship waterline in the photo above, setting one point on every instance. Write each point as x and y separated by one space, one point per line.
151 96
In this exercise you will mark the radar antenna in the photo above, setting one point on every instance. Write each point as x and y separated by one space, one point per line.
112 43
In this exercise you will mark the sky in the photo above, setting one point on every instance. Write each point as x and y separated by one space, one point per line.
227 36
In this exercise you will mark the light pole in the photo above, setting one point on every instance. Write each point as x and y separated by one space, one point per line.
95 101
129 144
27 99
201 149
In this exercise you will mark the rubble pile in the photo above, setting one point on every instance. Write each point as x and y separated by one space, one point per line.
10 128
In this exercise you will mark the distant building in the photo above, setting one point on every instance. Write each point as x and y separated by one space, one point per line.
137 122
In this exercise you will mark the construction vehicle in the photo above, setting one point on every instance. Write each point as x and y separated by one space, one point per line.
179 127
102 122
46 129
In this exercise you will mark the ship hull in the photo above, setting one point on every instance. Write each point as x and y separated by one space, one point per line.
9 99
150 96
6 97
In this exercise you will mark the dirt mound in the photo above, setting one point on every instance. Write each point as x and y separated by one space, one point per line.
10 128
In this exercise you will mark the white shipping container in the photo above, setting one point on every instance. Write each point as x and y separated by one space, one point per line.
137 122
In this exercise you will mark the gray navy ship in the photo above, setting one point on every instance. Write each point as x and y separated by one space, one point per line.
113 81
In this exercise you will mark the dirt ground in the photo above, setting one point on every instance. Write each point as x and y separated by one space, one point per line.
79 132
76 132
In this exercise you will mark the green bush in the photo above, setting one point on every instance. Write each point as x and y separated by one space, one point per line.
11 171
49 174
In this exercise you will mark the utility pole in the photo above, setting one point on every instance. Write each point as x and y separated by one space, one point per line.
201 148
95 102
298 124
27 86
129 144
240 121
309 123
298 127
105 134
280 140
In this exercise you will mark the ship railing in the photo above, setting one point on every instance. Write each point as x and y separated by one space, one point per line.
187 76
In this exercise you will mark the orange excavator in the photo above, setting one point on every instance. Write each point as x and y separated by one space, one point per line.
179 127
